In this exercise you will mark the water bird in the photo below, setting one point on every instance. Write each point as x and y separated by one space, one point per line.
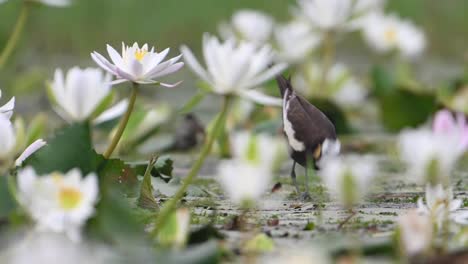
310 134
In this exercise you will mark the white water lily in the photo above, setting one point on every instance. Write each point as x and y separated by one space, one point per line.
52 248
9 146
138 65
348 177
7 108
249 25
295 41
430 156
57 202
439 204
80 93
386 33
7 140
343 87
235 68
56 3
416 232
332 15
247 176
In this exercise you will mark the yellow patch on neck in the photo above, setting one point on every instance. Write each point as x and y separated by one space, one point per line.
70 198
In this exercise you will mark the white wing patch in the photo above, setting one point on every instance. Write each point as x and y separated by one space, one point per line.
288 128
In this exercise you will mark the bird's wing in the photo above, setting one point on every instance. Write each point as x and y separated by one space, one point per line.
310 125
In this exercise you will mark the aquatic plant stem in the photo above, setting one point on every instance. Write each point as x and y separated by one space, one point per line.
12 187
352 213
170 205
15 35
328 55
123 122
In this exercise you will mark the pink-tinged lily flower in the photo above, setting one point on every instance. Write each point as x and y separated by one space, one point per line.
138 65
445 123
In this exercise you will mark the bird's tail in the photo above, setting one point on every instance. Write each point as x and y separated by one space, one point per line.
283 84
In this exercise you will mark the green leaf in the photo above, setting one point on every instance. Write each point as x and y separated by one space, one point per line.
163 168
164 165
193 102
104 104
166 235
7 202
383 81
402 108
114 220
70 148
146 198
36 128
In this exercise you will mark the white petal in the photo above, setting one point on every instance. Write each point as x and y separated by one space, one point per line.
113 112
268 74
115 56
104 63
194 65
171 69
261 98
35 146
169 85
7 109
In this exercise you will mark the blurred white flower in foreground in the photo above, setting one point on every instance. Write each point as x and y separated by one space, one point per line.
416 232
7 108
249 25
57 3
247 176
461 218
349 177
51 248
138 65
295 41
175 232
9 146
57 202
235 68
298 255
439 204
331 15
82 94
445 124
342 88
430 156
7 140
387 33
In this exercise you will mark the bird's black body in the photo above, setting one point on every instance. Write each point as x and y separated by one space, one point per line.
309 125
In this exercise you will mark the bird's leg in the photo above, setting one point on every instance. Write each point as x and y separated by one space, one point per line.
293 177
305 196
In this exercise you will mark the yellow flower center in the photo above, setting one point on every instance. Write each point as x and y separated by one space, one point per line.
69 198
140 54
390 35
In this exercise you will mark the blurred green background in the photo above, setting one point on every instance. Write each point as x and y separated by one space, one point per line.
89 24
63 37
